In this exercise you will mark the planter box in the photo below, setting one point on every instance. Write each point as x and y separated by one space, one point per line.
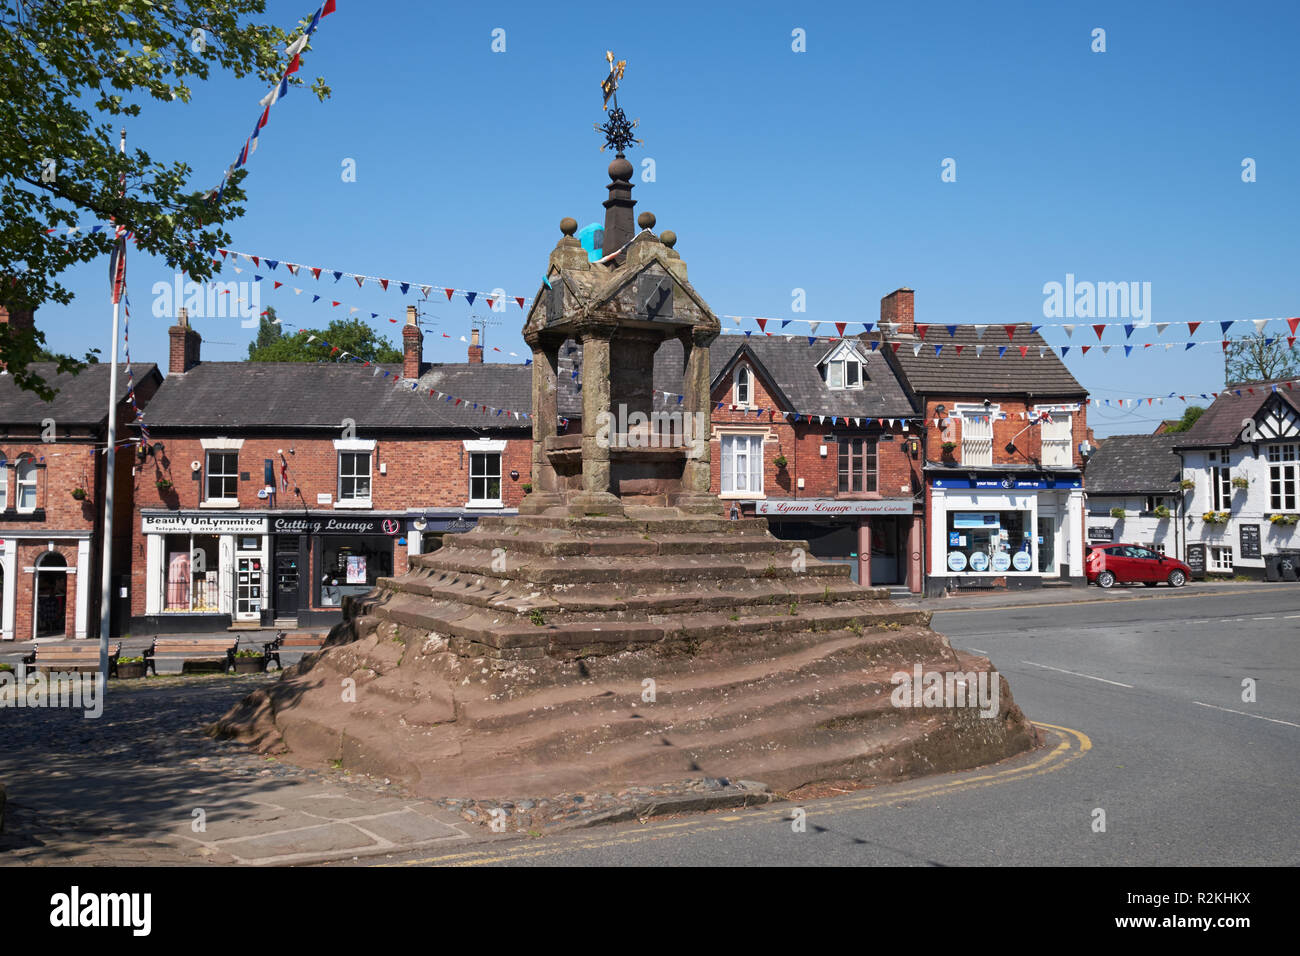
250 665
131 671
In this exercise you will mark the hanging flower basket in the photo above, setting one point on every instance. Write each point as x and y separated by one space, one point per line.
1162 512
1118 512
1216 517
780 461
1187 484
1241 482
164 484
528 487
79 494
1283 520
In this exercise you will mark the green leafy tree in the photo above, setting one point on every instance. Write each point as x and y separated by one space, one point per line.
1254 359
343 335
268 332
1189 418
71 74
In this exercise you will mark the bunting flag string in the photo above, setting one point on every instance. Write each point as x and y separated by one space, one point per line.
278 92
402 285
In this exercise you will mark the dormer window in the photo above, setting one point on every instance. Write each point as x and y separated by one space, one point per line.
841 367
742 392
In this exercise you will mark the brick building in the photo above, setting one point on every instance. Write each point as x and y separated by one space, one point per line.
1005 423
50 552
273 491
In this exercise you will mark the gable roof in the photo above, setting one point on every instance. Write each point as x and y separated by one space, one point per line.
989 374
285 395
1134 464
80 399
1221 423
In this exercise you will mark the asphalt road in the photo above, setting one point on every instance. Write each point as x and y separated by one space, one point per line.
1147 723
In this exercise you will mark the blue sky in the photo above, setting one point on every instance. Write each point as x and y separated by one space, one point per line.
778 170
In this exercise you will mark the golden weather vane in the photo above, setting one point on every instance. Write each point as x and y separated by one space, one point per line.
609 85
617 128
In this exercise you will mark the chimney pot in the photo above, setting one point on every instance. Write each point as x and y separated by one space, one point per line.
412 345
185 344
475 349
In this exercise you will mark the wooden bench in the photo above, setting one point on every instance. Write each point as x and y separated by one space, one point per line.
197 650
300 643
82 657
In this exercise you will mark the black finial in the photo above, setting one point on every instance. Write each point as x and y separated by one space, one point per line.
617 129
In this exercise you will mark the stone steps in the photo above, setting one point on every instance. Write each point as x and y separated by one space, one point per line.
663 569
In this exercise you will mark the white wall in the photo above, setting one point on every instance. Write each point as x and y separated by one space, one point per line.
1247 506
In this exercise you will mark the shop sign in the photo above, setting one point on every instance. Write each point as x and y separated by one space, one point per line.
1250 543
335 525
202 524
1001 561
956 561
456 524
1022 561
975 519
830 506
1098 533
1010 484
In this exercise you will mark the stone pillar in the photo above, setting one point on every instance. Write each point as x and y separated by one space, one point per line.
697 472
545 415
864 552
915 568
596 497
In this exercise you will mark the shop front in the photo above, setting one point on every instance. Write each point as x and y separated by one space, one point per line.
45 580
880 539
1005 531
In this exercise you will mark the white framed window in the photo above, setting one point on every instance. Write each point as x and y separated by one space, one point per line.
1283 477
221 478
1220 559
742 390
742 464
1159 548
1220 482
4 483
26 482
841 367
1158 501
354 477
485 479
977 434
1057 443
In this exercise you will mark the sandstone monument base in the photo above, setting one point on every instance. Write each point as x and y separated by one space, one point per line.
536 655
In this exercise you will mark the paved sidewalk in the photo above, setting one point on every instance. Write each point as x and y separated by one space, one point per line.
143 785
1080 594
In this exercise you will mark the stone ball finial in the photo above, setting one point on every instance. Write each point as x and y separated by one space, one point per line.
568 225
668 238
620 169
646 220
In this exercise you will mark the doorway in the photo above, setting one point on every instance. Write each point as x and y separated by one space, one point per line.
286 585
1047 545
51 595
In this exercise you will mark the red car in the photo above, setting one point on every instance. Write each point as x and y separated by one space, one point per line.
1108 564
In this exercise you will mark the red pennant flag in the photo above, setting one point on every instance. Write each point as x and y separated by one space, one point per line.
921 330
1085 349
1292 323
1011 331
1147 345
334 349
489 302
335 302
520 300
1024 350
223 253
294 64
315 271
256 260
895 345
266 115
278 284
1224 343
762 324
1251 390
840 327
329 8
360 280
449 293
1192 327
1290 340
293 269
1148 401
959 348
1099 329
383 283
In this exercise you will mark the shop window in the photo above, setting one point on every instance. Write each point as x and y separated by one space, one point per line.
191 573
1056 440
485 479
742 464
742 392
1220 559
351 566
354 476
26 475
857 464
223 476
1283 477
990 542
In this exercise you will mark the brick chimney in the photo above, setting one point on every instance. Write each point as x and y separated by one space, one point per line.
896 309
18 319
185 342
412 343
475 350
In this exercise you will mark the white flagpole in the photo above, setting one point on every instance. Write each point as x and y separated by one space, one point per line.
106 584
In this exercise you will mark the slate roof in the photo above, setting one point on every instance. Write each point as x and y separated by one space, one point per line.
1220 425
80 399
1134 464
791 368
988 374
320 395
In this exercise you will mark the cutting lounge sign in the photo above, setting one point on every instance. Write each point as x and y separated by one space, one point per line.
389 526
